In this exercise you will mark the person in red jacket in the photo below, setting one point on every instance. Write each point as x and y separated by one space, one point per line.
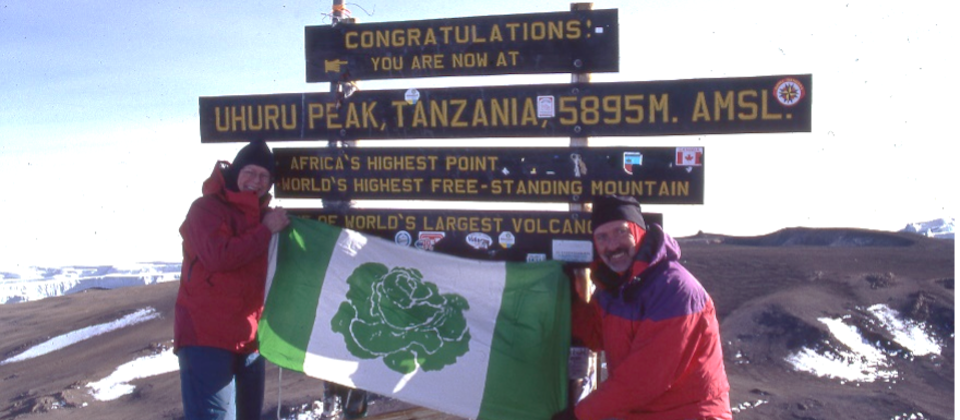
226 235
655 322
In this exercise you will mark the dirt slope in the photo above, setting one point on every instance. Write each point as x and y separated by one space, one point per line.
769 290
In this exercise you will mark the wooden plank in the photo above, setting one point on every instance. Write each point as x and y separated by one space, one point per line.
766 104
560 42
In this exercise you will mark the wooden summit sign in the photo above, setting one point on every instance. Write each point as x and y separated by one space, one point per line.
767 104
561 42
655 175
497 235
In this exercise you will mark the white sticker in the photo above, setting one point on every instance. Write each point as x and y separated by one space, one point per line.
572 251
546 107
412 96
479 240
532 258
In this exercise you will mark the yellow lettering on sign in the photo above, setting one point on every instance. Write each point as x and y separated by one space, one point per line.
612 109
766 115
724 108
700 108
529 113
307 184
430 38
461 105
314 113
471 163
550 226
331 115
454 186
634 188
463 34
399 107
353 120
470 60
402 163
542 187
419 116
413 37
371 222
369 120
744 100
429 61
661 105
461 223
723 102
255 118
387 63
573 29
495 35
513 30
387 185
500 112
438 114
641 188
479 114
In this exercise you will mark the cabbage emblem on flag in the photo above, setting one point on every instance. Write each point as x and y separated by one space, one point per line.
395 315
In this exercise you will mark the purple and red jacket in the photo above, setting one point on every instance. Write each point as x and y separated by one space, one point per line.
659 329
224 269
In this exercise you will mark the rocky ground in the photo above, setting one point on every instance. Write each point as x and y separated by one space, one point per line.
772 293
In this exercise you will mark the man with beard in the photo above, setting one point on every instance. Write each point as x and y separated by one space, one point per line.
654 320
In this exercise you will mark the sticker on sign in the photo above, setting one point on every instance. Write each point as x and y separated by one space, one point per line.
572 251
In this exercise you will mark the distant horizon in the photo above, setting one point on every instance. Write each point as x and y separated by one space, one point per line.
949 223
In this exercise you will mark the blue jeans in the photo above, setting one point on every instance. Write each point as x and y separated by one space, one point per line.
217 384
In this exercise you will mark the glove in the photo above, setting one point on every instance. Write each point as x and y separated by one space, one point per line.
566 414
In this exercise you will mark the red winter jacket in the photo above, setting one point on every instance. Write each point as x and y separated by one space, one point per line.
224 269
660 333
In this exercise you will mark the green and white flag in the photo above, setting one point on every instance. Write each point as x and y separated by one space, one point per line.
482 340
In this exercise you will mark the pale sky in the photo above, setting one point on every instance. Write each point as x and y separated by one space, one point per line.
99 128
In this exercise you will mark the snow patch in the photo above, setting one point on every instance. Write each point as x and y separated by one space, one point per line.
34 283
909 416
864 362
942 228
748 405
117 384
907 333
73 337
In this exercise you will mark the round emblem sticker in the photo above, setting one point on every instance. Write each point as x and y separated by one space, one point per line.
412 96
403 238
789 91
507 240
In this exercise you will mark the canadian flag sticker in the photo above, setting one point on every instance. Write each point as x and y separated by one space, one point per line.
689 156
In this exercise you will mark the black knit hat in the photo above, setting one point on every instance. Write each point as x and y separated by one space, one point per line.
614 207
255 153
